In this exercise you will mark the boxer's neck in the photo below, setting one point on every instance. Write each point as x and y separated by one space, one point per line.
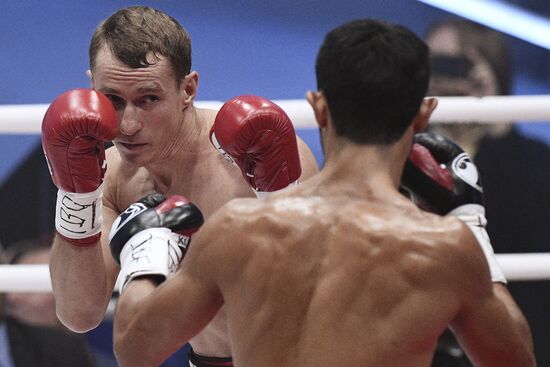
374 169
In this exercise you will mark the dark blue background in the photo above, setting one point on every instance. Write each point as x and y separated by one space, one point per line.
240 46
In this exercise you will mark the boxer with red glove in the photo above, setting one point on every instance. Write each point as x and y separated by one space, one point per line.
74 130
441 178
150 238
257 135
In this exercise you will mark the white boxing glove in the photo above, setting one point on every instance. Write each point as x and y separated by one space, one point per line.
151 252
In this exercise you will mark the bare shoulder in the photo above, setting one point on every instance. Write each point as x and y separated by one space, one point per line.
225 235
206 114
455 248
235 215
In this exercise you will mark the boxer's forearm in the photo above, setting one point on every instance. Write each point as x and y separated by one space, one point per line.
153 322
132 344
79 284
516 315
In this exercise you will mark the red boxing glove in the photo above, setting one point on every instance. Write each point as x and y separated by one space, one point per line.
74 130
257 135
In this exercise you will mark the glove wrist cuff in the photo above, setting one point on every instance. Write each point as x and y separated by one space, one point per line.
151 252
219 148
78 216
471 214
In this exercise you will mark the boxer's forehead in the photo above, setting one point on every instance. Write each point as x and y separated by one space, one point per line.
112 75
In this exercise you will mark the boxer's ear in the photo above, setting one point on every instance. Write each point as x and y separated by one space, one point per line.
89 75
320 108
188 88
424 113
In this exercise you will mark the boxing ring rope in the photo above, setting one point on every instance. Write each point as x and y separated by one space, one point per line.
36 278
26 119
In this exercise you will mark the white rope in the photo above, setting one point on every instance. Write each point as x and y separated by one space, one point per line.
25 278
493 109
525 267
36 278
26 119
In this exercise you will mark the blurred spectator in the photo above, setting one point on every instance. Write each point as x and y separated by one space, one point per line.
30 335
31 308
471 60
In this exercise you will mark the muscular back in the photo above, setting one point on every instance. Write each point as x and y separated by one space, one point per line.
333 281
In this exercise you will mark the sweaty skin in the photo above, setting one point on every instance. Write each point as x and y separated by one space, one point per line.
335 272
163 146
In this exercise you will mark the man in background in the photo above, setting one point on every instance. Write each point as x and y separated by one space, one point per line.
30 334
469 59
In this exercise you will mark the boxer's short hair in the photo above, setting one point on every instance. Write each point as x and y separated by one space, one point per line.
137 33
374 76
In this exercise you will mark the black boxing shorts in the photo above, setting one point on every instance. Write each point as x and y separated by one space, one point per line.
196 360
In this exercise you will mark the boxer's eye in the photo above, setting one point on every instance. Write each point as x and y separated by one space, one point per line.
150 99
147 101
116 100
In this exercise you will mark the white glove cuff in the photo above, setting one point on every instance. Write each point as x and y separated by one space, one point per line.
79 216
473 215
219 148
153 251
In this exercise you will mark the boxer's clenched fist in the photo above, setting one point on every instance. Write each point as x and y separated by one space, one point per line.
74 130
151 236
441 178
258 136
440 175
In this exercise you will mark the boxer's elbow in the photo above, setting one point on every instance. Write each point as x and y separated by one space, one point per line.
129 352
80 320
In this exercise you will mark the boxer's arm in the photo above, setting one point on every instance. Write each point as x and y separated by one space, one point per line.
83 278
74 130
153 322
489 326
